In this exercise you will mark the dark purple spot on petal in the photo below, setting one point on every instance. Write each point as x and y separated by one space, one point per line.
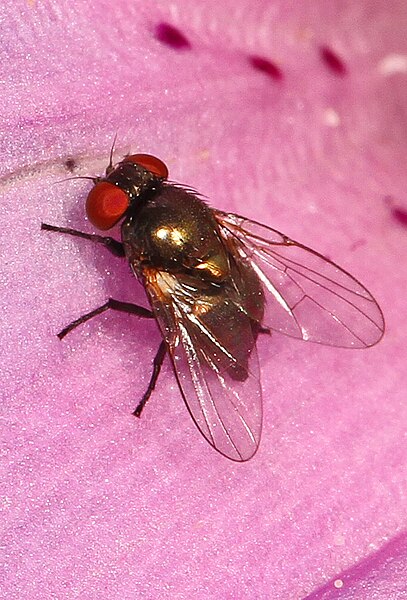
70 164
332 61
171 36
400 215
266 66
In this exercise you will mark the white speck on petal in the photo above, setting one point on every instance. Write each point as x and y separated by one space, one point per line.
393 63
331 118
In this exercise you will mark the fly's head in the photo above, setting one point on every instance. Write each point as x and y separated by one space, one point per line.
122 186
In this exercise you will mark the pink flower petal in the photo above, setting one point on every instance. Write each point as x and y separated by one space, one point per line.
381 575
96 504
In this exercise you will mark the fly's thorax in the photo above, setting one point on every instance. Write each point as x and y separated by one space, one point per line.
175 231
134 180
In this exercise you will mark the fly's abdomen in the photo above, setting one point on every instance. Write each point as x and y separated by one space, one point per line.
231 339
232 316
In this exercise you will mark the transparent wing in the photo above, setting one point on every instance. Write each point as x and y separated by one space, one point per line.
307 295
218 380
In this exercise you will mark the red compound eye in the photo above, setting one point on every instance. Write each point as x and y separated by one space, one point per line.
149 162
106 204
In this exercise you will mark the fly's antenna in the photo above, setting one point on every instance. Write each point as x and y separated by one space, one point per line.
94 179
109 167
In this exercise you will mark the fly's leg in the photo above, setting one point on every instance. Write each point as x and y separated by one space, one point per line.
132 309
258 328
158 361
115 247
125 307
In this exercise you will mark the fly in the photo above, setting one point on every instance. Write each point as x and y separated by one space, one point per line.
215 281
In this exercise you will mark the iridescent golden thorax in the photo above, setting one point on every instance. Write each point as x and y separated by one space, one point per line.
176 233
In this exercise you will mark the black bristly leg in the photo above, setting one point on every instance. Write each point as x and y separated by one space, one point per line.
158 361
115 247
126 307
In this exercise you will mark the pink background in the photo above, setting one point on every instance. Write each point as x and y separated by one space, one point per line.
98 505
